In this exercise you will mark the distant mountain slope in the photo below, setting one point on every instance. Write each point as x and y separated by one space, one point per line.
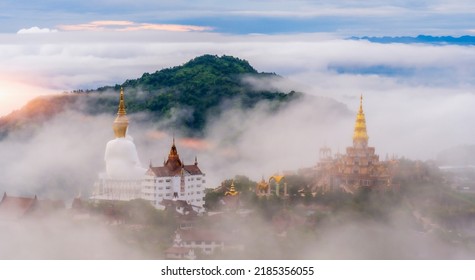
198 89
466 40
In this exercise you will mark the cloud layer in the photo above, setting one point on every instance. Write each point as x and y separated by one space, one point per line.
123 25
414 113
379 17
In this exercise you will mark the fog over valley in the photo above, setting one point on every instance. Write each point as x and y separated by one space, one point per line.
248 113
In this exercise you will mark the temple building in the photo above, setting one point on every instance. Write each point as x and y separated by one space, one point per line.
123 177
358 167
175 181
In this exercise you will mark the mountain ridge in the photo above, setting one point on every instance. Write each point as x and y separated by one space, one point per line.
465 40
200 87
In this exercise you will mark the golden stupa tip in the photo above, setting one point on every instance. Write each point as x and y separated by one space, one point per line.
360 133
361 103
121 110
121 122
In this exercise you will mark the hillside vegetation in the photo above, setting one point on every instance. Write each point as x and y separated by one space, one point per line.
183 97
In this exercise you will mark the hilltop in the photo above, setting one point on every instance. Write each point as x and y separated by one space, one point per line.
204 86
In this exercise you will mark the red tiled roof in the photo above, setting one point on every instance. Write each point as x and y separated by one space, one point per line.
193 169
15 207
164 171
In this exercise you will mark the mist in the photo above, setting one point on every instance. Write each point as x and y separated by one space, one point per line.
414 113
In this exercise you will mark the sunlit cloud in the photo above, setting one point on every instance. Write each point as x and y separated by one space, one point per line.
194 143
35 30
121 25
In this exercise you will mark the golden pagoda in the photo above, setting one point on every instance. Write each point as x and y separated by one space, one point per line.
232 191
121 122
358 167
262 188
360 136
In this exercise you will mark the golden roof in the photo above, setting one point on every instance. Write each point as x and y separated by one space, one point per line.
262 185
232 191
277 178
121 122
360 134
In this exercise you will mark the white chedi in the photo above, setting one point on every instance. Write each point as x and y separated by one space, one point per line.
122 161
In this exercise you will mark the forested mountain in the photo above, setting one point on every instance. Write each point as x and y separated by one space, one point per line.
202 87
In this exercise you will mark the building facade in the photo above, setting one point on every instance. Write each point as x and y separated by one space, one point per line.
175 180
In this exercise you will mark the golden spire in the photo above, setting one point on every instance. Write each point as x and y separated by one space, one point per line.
121 111
121 122
173 161
232 191
360 135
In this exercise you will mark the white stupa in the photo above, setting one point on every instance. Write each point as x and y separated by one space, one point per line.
124 174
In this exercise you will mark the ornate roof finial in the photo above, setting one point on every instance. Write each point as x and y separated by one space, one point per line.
232 190
121 122
196 160
173 162
361 103
360 135
121 111
150 164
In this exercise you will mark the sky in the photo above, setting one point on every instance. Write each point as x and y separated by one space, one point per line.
418 98
54 46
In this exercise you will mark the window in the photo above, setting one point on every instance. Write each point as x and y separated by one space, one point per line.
160 181
168 180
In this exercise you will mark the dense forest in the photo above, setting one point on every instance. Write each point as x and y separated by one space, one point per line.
202 87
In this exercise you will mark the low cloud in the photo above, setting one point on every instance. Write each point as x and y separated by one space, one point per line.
35 30
430 105
121 25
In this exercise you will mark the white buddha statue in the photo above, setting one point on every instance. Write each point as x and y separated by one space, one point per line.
122 161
